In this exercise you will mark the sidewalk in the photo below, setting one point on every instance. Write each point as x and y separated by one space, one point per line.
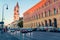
6 36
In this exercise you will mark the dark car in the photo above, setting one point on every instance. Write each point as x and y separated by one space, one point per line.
26 30
23 30
0 29
34 29
58 29
12 30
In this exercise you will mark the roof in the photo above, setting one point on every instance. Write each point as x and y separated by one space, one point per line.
42 2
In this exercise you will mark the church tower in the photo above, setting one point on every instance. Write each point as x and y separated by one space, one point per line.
16 12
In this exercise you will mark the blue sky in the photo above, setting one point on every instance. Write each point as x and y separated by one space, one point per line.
24 5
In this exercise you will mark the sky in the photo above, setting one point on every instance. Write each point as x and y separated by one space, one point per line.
24 5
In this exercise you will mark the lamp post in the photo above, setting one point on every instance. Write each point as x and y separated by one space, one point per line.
3 14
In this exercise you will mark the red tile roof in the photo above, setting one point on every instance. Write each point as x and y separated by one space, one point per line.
38 5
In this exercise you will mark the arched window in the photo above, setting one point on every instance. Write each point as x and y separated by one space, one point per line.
55 22
46 24
50 22
55 11
39 24
42 24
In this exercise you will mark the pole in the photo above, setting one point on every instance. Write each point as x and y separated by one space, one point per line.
3 14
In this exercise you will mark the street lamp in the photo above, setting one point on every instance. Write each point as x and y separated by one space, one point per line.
3 13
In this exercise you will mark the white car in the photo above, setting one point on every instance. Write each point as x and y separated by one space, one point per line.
51 28
43 28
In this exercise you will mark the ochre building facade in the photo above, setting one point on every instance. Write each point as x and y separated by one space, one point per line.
44 13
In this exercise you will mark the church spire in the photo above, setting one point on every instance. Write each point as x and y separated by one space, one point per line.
16 12
17 4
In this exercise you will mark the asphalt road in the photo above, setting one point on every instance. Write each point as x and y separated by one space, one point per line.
36 35
7 36
45 36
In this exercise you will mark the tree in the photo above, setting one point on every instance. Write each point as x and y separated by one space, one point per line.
20 24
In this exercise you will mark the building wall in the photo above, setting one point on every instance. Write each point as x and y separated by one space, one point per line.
49 10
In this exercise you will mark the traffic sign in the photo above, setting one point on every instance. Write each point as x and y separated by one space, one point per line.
1 22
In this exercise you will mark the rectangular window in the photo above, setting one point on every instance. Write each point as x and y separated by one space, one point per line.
33 17
36 16
46 4
39 15
42 14
49 13
55 11
45 14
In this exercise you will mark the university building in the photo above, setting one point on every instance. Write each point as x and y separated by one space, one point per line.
44 13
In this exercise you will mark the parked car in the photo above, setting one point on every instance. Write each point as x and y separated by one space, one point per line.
52 29
12 30
17 29
43 28
26 30
29 29
0 29
23 30
34 29
58 29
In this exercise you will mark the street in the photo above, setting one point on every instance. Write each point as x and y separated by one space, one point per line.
6 36
29 20
36 35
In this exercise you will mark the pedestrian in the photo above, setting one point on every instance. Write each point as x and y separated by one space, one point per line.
6 29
